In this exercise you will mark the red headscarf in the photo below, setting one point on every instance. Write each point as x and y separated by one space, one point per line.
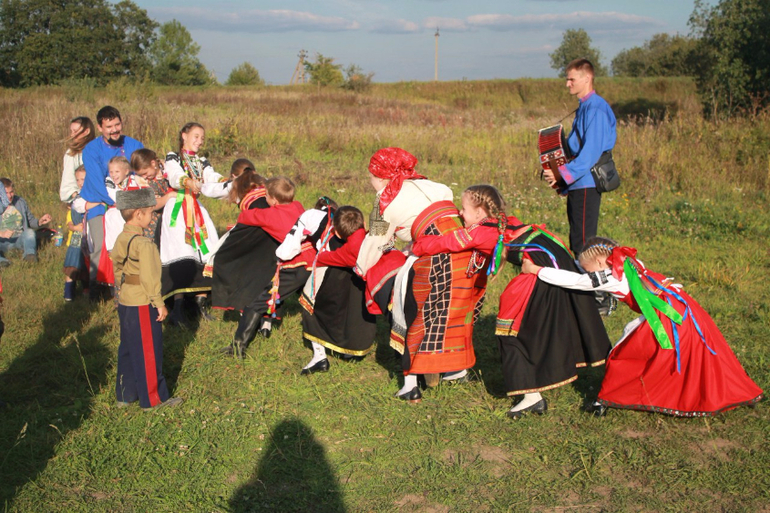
396 165
617 257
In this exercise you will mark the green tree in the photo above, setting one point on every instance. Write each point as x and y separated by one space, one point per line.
174 56
662 56
324 72
244 74
45 42
576 44
733 73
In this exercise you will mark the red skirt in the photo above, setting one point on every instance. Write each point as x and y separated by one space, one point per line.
643 376
443 300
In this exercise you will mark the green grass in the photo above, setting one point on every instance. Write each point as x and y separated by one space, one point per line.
254 435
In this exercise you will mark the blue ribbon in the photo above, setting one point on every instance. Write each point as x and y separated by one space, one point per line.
536 247
687 312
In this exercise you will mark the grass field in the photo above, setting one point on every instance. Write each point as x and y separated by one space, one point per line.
256 436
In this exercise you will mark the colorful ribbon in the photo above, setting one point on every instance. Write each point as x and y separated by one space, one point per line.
648 303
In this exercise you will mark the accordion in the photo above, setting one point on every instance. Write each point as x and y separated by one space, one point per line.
554 152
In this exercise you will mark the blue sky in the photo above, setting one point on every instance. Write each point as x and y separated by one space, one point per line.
479 39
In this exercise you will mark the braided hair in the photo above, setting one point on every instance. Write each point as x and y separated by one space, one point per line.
595 247
491 201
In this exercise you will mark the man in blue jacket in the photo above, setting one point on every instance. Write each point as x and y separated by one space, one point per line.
96 155
593 134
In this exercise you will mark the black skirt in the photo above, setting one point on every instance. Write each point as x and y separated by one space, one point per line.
243 267
560 331
338 318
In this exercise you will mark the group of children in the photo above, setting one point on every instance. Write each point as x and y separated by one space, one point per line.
431 286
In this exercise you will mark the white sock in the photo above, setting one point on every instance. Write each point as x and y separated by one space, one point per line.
529 400
266 324
410 381
449 376
319 353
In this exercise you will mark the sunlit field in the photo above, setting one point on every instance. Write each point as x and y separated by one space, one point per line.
254 435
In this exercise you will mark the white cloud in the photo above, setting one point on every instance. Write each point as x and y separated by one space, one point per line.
255 21
448 24
590 21
398 26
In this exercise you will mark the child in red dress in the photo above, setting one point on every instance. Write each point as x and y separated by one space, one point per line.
673 359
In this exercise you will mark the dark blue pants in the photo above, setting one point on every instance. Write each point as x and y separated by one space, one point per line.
140 357
583 214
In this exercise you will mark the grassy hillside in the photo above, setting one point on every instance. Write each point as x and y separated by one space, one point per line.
254 435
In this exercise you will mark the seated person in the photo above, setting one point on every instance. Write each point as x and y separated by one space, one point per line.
18 225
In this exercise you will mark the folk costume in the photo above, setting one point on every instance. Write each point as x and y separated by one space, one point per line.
137 271
96 156
673 359
289 276
188 235
593 134
431 316
245 262
545 333
334 313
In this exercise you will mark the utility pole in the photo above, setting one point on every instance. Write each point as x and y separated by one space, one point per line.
435 74
299 70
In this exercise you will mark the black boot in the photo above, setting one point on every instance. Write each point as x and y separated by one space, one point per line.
247 327
177 315
203 307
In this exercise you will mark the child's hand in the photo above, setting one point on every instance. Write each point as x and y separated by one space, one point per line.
195 186
529 267
162 313
77 228
45 219
6 234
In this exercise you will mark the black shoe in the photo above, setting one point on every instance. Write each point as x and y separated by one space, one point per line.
265 332
233 350
322 366
414 396
597 409
203 308
538 408
247 326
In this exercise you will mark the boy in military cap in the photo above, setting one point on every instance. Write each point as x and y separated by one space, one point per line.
137 270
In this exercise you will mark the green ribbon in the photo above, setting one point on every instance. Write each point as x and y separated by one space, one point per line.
648 303
177 206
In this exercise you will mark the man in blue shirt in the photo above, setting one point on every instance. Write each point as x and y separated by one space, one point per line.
96 156
593 134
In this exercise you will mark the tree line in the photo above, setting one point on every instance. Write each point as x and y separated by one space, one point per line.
727 53
49 41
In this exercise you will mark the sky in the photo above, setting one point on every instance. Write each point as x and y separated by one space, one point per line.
395 39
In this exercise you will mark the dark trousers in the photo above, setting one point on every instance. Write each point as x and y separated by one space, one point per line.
140 357
289 282
583 214
96 232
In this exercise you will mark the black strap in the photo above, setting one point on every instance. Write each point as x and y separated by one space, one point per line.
128 248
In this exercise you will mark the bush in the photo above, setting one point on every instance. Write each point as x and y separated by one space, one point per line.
356 80
244 75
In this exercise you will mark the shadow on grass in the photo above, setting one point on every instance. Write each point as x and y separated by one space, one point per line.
488 364
293 475
50 391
